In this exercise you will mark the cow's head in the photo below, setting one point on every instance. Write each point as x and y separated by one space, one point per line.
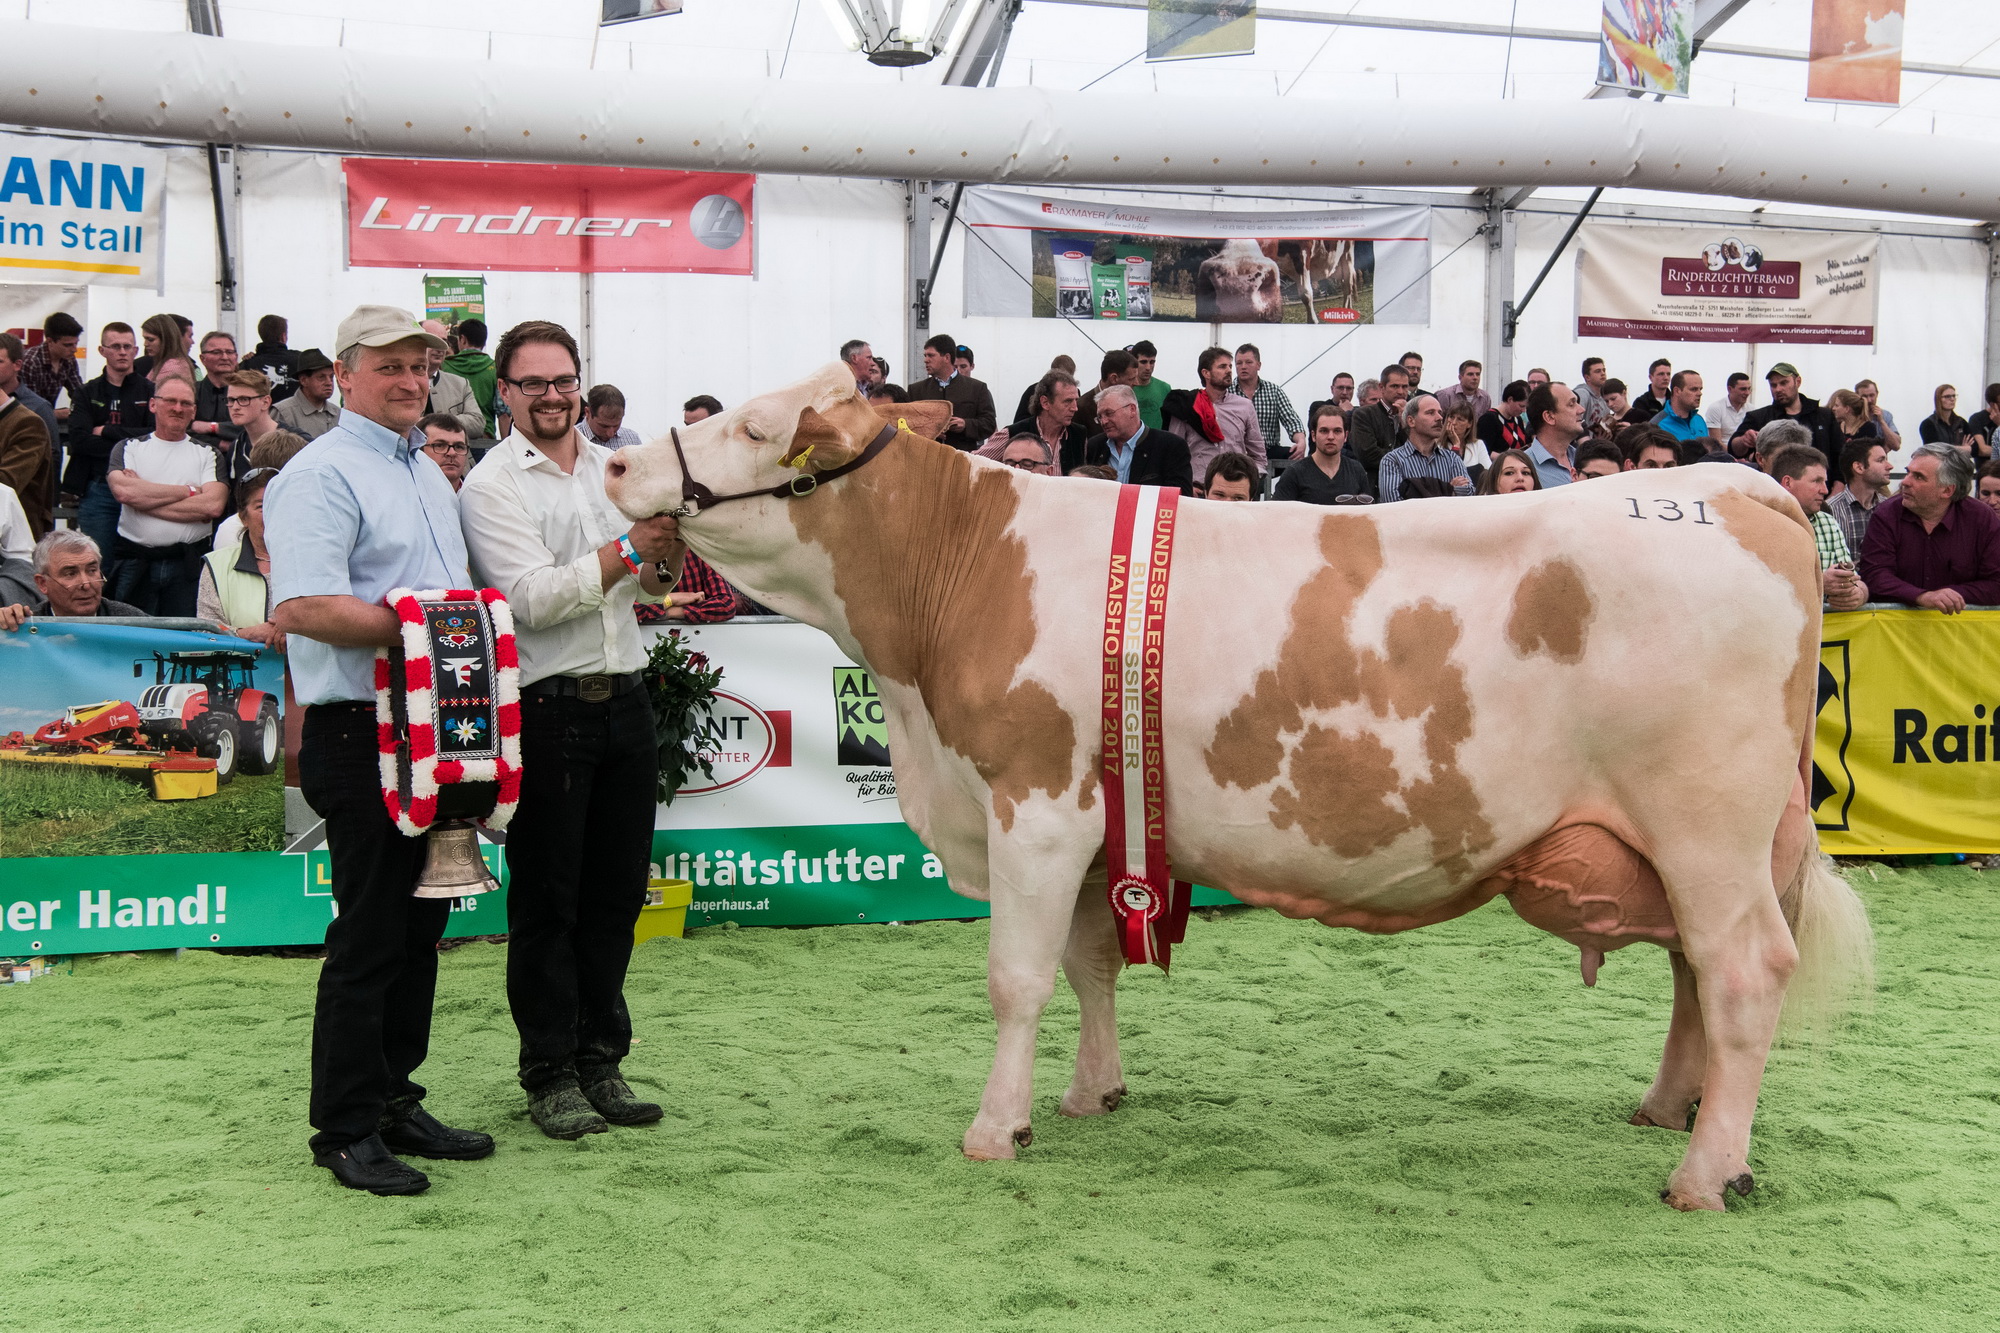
810 427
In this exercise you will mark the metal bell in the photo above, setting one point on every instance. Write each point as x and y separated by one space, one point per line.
453 867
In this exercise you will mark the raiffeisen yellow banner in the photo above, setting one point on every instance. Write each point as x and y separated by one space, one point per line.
1907 753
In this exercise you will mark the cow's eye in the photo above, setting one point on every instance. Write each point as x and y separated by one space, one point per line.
754 433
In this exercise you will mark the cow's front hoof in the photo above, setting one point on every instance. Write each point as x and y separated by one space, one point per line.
1079 1103
1687 1201
994 1145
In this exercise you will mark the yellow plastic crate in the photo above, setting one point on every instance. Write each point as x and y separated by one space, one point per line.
666 909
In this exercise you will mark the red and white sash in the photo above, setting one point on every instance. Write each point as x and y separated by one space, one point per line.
1150 906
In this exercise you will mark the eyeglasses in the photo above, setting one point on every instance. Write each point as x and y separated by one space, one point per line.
238 400
1025 464
535 387
449 447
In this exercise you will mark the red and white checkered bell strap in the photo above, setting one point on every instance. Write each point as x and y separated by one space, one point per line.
448 704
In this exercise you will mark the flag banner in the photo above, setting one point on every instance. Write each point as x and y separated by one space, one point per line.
1906 752
1857 52
520 217
1691 284
81 211
629 11
1194 29
1647 46
1048 258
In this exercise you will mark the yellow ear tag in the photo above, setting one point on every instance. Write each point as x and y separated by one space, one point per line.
799 461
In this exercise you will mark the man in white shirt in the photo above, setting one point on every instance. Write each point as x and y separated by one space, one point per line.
171 490
1726 420
539 527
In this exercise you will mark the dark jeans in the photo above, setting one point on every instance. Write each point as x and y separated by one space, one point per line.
159 580
372 1023
578 851
97 517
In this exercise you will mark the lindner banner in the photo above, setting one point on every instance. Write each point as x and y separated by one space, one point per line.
526 218
1906 756
1721 284
1647 46
1856 52
1048 258
81 211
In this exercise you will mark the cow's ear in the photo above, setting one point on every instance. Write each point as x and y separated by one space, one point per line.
817 444
927 418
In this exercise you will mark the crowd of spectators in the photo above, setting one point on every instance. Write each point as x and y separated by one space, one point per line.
150 474
1237 435
140 491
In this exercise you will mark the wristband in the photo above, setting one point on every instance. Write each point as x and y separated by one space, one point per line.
628 553
194 490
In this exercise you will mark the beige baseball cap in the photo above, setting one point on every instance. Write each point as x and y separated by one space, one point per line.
381 325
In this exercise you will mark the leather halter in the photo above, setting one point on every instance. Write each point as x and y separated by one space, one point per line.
695 497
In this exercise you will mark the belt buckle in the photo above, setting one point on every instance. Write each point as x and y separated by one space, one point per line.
594 689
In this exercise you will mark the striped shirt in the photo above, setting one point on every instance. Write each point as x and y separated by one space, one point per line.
1276 415
1853 519
1406 461
1832 545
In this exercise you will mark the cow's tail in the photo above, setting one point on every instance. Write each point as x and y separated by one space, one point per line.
1836 945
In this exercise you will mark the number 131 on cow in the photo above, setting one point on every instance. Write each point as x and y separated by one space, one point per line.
1669 511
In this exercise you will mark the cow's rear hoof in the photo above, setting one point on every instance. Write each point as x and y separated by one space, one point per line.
985 1146
1080 1104
1686 1202
1645 1121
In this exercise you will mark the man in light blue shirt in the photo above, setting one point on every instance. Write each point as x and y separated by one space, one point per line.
1682 418
361 511
1555 414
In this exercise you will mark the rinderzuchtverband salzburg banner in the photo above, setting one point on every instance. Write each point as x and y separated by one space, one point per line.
1047 258
1907 753
1726 284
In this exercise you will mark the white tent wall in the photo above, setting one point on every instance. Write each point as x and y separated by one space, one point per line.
1930 329
830 265
1014 352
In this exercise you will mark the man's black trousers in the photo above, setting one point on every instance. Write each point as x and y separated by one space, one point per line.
579 850
372 1023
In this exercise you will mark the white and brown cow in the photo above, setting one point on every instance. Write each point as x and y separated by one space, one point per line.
1239 285
1593 700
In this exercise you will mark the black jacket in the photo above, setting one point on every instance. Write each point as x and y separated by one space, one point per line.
280 365
970 399
1160 458
1810 415
1371 433
124 411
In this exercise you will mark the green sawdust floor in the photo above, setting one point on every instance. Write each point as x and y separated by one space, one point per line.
1326 1131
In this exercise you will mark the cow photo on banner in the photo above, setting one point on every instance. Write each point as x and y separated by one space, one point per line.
1048 258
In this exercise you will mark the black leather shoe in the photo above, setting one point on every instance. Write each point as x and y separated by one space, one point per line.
367 1164
418 1133
614 1101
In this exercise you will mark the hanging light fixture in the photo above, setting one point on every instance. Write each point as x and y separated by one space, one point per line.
896 32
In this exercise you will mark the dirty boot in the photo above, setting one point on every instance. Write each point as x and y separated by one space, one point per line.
562 1113
614 1101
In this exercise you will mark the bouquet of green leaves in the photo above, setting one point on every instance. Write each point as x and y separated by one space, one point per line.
681 685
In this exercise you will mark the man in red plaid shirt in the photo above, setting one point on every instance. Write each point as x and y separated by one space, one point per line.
702 596
49 368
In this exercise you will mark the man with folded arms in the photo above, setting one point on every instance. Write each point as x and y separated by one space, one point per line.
359 512
541 529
